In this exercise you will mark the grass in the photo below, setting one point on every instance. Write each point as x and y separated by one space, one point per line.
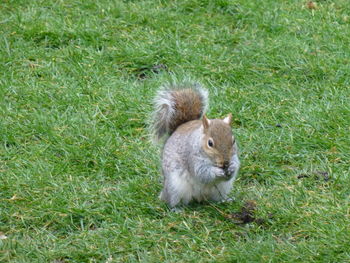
79 177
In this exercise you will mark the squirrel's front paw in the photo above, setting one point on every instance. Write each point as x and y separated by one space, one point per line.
233 167
219 173
231 171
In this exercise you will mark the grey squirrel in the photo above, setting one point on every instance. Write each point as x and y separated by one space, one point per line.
200 155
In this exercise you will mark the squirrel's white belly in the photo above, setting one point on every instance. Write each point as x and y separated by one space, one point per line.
190 189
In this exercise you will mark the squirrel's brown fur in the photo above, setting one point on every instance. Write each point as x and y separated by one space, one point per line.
220 133
175 105
188 106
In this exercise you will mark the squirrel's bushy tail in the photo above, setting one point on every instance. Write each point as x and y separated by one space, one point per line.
176 104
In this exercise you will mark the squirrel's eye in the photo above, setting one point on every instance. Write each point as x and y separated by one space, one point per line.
210 143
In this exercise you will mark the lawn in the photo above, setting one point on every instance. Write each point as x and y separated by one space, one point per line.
79 175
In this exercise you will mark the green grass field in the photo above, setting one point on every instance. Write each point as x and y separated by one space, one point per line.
79 177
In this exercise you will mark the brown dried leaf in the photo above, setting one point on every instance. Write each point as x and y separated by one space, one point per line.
311 5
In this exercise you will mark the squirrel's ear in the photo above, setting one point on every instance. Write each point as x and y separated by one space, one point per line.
228 119
205 122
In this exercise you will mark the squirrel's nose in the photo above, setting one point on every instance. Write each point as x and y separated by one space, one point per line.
225 165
